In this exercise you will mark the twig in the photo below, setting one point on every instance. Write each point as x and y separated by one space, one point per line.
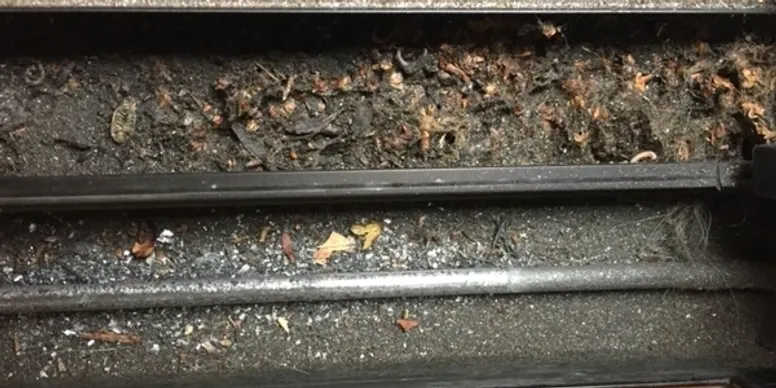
269 73
289 85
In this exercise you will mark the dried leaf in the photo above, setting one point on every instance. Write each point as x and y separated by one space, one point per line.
750 77
336 242
208 346
287 246
283 323
763 130
263 234
111 337
396 81
549 30
124 119
682 150
582 137
163 98
721 82
640 82
752 109
599 113
369 233
406 324
143 249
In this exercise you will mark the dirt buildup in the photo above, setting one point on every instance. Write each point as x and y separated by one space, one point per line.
343 92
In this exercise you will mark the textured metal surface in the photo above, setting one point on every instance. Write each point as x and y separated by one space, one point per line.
379 285
273 188
402 5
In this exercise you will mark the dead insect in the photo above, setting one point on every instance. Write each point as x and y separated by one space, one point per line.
122 125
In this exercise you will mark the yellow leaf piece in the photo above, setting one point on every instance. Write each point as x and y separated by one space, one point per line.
283 323
369 233
335 243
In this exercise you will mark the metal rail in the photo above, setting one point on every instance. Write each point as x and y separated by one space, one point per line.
379 285
279 188
503 6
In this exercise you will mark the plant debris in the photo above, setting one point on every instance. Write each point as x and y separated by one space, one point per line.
483 90
208 346
287 246
369 233
405 323
335 243
144 245
283 323
111 337
644 155
124 120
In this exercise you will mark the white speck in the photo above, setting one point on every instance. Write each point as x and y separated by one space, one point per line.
90 343
155 348
213 186
245 268
387 221
43 374
69 333
8 270
32 228
165 237
106 369
18 278
688 316
126 253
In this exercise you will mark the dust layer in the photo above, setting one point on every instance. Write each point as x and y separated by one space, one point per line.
51 249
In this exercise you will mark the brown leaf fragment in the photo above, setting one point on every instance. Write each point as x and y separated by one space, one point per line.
113 338
752 109
456 71
682 150
163 98
143 247
144 244
640 82
750 77
719 82
369 233
581 137
396 80
763 130
406 324
335 243
287 246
